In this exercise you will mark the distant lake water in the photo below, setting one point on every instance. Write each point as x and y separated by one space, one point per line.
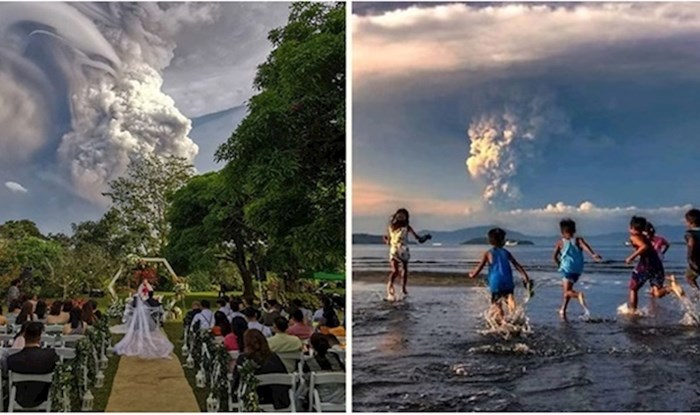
460 258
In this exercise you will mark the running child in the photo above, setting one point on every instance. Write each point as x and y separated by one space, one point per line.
659 243
648 268
399 254
692 239
500 278
568 255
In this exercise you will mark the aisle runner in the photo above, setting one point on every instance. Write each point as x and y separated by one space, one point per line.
158 385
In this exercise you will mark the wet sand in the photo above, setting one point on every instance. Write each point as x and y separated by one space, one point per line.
420 278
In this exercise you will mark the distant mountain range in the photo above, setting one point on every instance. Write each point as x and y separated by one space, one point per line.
674 234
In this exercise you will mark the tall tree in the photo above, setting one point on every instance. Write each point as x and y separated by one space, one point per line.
141 200
288 155
207 227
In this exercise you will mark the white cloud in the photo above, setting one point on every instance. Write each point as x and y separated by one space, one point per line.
16 187
484 39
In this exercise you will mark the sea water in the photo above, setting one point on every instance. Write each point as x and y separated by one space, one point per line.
437 351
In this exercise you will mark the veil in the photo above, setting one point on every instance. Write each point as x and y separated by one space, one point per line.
143 338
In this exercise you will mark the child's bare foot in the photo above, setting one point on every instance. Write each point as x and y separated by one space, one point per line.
675 287
405 293
562 313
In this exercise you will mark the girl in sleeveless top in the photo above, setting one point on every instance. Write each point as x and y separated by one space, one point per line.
500 278
648 268
399 255
568 255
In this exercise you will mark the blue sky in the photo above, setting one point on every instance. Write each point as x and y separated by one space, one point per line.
588 111
86 87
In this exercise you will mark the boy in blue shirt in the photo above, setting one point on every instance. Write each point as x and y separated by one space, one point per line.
500 277
568 255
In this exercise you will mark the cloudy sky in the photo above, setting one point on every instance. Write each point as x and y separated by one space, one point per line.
520 114
86 87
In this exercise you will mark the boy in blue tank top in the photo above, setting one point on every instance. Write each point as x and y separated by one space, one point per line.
500 278
568 255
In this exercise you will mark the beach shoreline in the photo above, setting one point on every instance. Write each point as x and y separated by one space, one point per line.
420 278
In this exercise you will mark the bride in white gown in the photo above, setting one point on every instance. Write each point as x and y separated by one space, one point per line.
143 336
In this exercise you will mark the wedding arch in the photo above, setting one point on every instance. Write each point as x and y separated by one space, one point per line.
133 259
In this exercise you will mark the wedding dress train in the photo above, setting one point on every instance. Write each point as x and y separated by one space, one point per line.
143 337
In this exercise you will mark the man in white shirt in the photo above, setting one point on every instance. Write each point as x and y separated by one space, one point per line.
225 307
205 318
252 317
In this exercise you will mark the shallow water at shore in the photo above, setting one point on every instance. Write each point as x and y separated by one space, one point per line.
427 353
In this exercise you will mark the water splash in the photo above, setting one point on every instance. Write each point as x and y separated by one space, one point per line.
690 313
514 324
625 310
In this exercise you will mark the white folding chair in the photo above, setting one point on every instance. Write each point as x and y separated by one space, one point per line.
17 378
53 329
6 339
65 353
50 340
325 378
291 359
69 339
276 379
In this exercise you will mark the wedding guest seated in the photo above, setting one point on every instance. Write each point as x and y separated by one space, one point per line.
234 340
3 319
34 360
205 318
55 316
75 324
299 327
236 306
308 314
282 342
325 361
257 350
251 316
40 310
222 327
88 314
225 307
196 309
65 312
19 341
335 344
274 310
14 308
26 314
98 313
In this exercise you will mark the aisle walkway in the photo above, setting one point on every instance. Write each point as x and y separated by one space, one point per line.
159 385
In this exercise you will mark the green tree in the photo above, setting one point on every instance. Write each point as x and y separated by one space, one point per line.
19 229
288 155
141 200
207 223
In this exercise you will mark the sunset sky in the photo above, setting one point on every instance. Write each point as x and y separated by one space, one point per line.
585 110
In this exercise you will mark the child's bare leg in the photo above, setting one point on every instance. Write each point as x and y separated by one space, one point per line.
510 301
569 293
497 310
392 277
405 278
632 302
692 280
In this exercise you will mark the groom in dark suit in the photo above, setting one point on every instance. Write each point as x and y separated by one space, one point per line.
32 360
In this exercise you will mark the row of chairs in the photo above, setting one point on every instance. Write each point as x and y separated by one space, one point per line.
10 327
293 381
47 340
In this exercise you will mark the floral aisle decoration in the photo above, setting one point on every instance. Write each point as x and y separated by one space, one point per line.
116 308
249 387
62 392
